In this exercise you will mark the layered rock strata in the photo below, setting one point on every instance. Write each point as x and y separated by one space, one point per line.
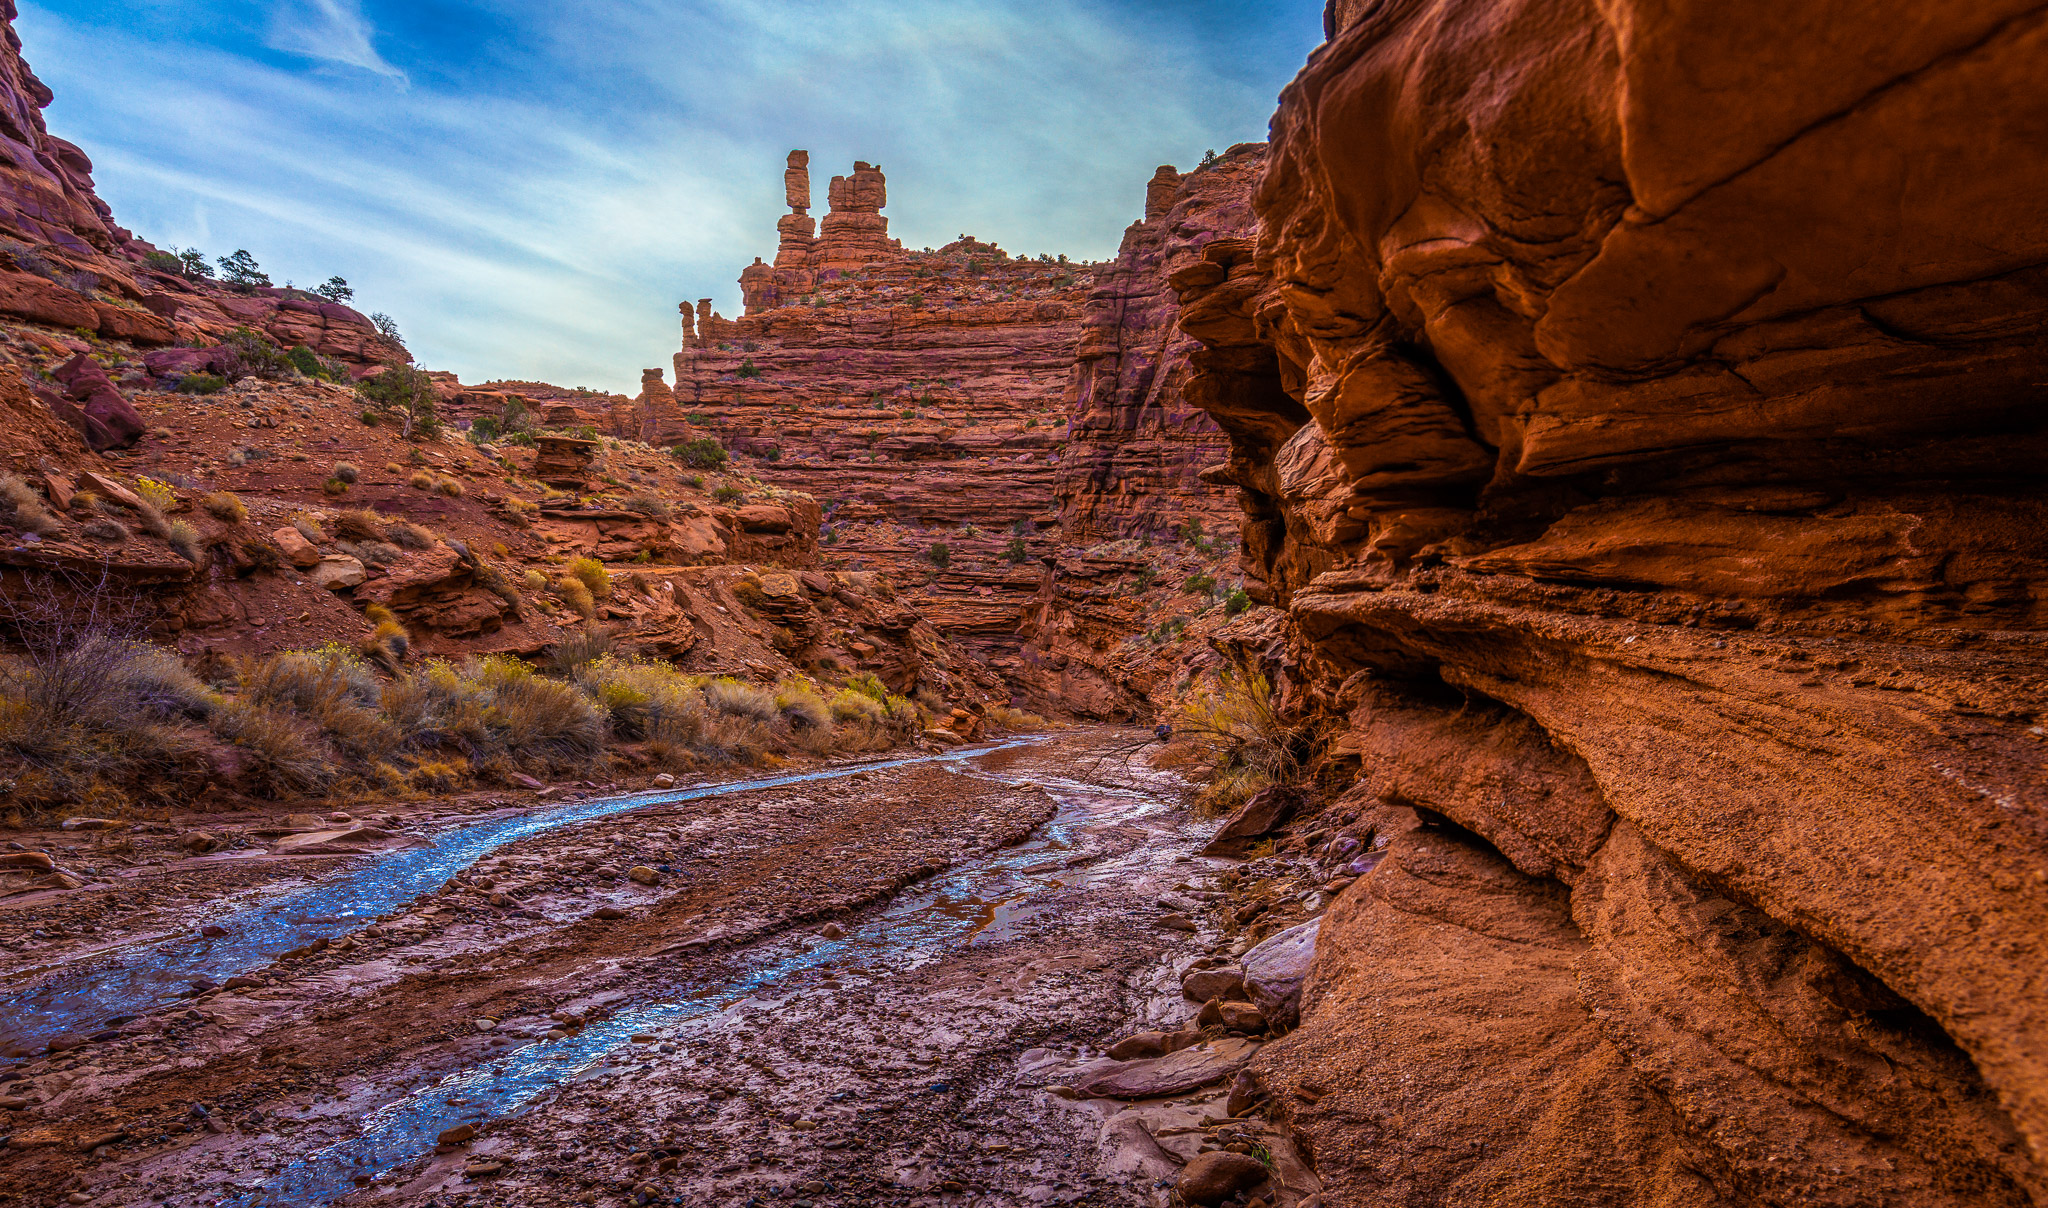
917 394
981 425
1648 461
1132 471
1135 449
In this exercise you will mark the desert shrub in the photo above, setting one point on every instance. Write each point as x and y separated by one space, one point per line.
421 481
225 506
407 535
165 262
376 553
284 753
1235 738
184 539
1016 551
388 642
1236 601
335 487
802 706
202 383
262 554
156 493
738 698
587 646
1006 720
729 493
347 472
704 453
748 369
253 354
104 529
592 574
496 582
576 595
647 505
333 689
23 508
849 705
542 718
1200 584
940 554
449 488
359 524
405 395
536 581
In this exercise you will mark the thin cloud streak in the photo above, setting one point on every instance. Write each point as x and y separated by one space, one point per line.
333 31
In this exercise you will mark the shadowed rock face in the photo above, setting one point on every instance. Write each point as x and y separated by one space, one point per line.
1135 448
1637 412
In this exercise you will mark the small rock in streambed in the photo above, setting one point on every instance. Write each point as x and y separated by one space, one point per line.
1215 1177
608 913
832 931
213 931
643 874
461 1134
1176 922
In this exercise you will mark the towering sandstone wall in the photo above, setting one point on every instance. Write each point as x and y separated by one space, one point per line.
1638 413
1012 410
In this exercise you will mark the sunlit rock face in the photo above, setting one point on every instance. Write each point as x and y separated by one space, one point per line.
1637 409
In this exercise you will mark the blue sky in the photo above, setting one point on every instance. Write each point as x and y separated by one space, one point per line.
530 186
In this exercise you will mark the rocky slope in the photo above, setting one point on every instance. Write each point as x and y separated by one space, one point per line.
1651 482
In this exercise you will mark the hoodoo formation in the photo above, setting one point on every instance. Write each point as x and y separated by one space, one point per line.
1495 654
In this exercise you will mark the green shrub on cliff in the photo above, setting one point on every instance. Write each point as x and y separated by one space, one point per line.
704 453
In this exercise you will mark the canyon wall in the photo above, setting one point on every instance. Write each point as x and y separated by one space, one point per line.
972 422
1637 413
1134 502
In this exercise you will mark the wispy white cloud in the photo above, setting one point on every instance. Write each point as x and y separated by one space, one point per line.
333 31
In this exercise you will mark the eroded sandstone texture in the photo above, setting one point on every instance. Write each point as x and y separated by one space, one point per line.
1637 408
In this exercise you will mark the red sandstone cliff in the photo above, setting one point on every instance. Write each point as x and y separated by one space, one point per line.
1019 415
1637 408
1135 448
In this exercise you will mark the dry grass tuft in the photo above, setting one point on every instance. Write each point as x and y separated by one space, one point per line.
360 524
21 507
592 574
225 506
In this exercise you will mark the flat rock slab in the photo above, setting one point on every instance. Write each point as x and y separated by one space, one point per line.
1168 1075
339 842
